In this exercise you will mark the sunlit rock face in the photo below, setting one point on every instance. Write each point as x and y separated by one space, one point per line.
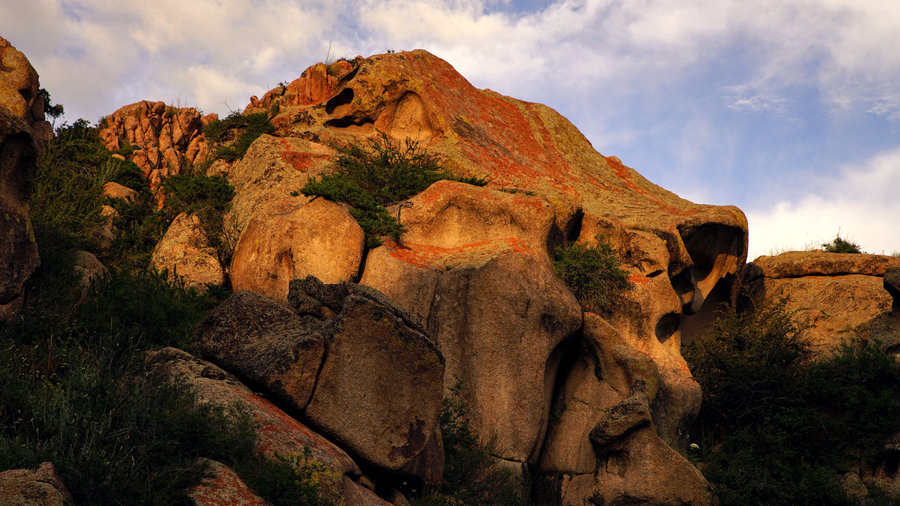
842 296
475 262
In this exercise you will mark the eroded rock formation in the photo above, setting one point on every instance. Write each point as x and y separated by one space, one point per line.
843 296
165 138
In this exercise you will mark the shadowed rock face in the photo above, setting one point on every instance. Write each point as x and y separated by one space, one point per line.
22 128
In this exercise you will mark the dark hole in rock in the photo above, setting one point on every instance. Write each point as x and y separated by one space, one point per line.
344 97
667 325
347 121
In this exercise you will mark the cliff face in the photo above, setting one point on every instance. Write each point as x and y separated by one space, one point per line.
474 264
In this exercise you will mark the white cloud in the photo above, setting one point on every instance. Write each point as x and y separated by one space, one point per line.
860 203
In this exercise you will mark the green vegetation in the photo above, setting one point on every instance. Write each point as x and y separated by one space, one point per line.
840 245
470 475
368 178
232 136
777 428
594 273
74 387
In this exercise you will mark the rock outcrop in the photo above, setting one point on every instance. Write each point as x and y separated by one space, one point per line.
843 296
22 130
357 367
41 486
164 138
475 265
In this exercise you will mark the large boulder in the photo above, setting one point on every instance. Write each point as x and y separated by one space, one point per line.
271 174
33 487
184 251
841 296
357 367
316 237
279 434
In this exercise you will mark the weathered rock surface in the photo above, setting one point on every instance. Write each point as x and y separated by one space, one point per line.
19 88
223 486
279 434
602 444
891 283
493 304
115 190
165 137
841 295
22 127
316 237
270 171
33 487
359 369
88 267
185 252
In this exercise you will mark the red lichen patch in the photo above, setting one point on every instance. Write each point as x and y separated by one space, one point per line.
224 488
624 173
435 257
301 161
276 428
638 279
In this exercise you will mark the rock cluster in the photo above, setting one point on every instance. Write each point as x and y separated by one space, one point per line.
164 138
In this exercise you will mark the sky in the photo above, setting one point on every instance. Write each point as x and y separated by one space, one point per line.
788 109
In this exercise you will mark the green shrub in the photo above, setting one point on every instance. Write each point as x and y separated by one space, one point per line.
470 475
233 135
370 177
115 434
840 245
778 428
594 273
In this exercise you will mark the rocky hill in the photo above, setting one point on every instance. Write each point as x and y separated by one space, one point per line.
346 345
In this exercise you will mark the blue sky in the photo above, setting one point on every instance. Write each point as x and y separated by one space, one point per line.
789 109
